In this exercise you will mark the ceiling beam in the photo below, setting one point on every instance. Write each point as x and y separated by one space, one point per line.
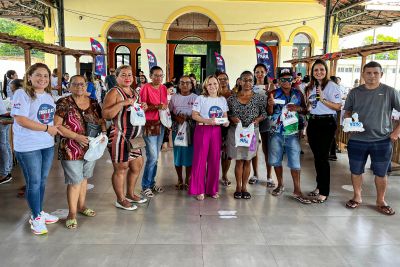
348 7
17 17
364 24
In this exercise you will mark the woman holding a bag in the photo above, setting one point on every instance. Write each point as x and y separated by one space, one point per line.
154 94
181 110
208 109
245 109
77 117
127 159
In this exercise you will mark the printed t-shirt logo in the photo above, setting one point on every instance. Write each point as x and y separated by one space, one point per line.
313 100
215 112
45 113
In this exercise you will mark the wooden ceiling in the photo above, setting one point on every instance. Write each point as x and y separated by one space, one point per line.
47 48
351 16
365 51
348 16
31 12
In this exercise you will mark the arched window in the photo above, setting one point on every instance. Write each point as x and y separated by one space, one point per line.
139 58
270 38
122 56
301 46
301 49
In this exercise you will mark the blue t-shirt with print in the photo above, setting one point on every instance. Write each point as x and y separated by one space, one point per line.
276 125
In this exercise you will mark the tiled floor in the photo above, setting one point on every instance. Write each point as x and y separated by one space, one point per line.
174 229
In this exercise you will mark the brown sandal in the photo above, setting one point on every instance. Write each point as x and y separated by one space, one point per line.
352 204
387 210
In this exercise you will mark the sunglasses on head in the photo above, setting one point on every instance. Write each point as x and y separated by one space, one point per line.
288 79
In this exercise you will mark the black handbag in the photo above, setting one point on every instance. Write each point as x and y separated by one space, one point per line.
92 129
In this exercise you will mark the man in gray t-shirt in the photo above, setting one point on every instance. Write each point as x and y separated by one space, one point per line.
374 103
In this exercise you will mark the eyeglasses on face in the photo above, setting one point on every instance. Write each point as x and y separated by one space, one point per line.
247 80
185 83
289 79
158 75
222 79
78 84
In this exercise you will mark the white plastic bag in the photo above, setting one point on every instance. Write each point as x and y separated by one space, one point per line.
243 135
7 104
96 149
138 118
181 138
290 121
165 117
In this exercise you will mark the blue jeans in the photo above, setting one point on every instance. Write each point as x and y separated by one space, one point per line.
153 147
35 166
6 159
289 144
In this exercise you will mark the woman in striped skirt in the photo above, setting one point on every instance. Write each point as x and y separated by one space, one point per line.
127 161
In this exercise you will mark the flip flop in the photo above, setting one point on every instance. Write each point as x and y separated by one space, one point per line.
226 182
319 201
237 195
246 195
71 223
387 210
278 191
88 212
313 194
270 184
302 199
352 204
216 196
200 197
179 186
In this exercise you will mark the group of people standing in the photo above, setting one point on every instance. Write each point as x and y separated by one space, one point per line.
211 121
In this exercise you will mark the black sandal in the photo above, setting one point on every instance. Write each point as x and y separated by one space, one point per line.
319 200
246 195
237 195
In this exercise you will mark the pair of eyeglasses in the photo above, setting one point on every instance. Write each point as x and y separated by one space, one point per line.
158 76
185 83
78 84
247 80
289 79
222 79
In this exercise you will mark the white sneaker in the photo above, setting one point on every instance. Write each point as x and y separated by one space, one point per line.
38 225
148 193
48 218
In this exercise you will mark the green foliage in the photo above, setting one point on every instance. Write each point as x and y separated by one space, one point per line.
192 65
391 55
191 49
17 29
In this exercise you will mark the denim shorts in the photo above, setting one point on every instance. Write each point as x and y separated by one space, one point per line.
379 151
76 170
289 144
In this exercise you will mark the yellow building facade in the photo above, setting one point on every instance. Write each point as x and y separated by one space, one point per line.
126 28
